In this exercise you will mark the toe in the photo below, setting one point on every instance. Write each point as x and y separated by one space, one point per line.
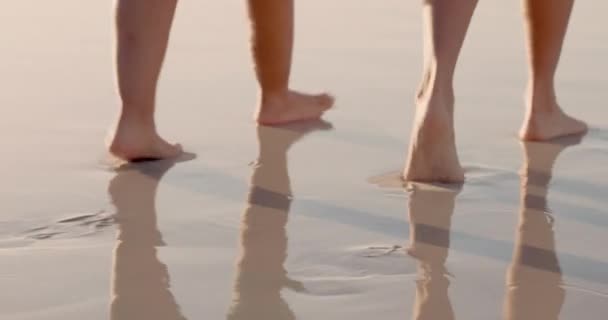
166 150
325 100
175 150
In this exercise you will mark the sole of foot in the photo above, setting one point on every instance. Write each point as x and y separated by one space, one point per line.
293 107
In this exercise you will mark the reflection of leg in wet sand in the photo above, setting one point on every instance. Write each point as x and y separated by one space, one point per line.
534 279
143 28
261 274
140 282
430 210
432 155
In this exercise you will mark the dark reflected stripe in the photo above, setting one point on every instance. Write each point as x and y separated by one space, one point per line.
571 265
269 199
224 186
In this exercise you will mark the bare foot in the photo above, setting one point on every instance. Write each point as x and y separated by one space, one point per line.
547 125
432 155
292 106
136 141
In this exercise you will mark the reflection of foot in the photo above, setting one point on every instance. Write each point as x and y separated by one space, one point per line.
546 125
430 211
280 138
540 156
432 156
270 175
135 140
292 106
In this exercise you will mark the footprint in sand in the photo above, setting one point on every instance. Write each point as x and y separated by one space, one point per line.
393 184
487 175
72 227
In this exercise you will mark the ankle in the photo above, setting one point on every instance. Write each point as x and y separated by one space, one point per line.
274 94
132 114
436 98
541 101
541 86
435 89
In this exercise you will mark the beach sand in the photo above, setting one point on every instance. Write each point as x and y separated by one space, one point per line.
318 226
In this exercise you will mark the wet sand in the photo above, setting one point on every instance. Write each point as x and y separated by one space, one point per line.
297 222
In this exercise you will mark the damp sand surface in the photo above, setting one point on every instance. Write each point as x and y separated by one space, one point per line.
296 222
